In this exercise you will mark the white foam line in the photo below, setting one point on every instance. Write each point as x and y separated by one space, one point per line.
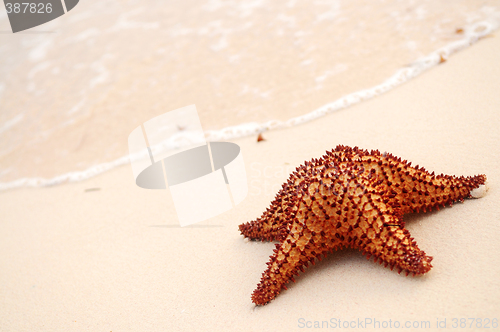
471 35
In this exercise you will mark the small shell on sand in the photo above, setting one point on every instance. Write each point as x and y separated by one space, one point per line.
479 192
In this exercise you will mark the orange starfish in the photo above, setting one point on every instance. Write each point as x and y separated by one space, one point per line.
350 198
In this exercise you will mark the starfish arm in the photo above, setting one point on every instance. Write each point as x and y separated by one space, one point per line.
415 188
423 191
267 227
291 256
280 212
380 233
394 246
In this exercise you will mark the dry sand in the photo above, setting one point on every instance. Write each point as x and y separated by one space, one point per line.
114 259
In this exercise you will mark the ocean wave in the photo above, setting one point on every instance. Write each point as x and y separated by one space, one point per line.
471 35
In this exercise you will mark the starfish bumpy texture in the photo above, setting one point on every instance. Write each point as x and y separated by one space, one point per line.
350 198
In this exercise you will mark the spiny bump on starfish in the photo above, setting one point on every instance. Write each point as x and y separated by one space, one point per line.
351 198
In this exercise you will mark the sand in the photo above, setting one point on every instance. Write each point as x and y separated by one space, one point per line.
115 259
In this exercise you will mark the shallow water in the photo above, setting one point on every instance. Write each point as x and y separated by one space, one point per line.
73 89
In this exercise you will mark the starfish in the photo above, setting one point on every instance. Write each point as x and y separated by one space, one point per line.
351 198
